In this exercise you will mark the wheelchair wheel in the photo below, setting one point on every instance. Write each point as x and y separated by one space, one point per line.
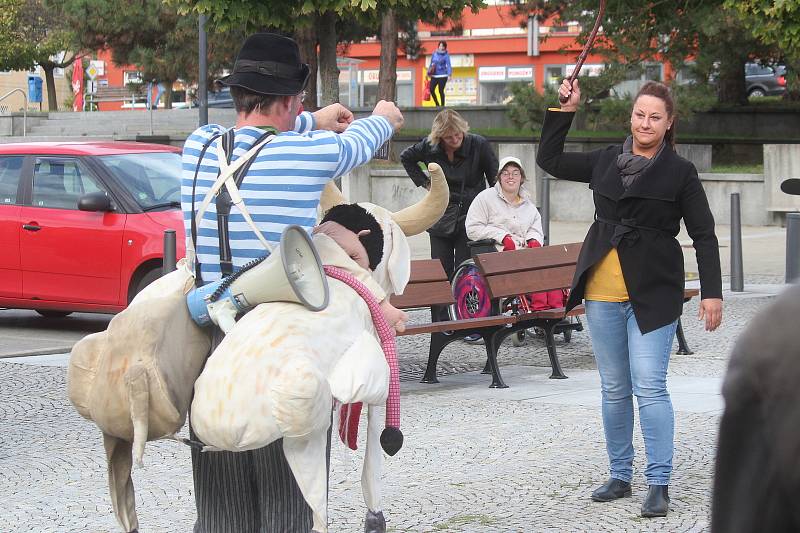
517 338
471 294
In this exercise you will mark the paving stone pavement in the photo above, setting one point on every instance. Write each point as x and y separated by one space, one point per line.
521 459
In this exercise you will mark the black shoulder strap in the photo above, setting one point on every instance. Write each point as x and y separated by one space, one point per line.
198 279
224 203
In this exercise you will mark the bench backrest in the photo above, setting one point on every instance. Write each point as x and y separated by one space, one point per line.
428 286
529 269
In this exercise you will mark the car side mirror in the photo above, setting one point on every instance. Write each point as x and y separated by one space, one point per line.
95 201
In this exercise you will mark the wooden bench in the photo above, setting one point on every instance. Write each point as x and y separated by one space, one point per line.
507 274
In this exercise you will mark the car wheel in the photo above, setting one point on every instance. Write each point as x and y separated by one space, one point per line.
47 313
756 93
146 280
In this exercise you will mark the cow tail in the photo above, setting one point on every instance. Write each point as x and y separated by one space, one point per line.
139 401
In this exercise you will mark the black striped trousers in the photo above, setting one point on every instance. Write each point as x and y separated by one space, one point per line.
248 492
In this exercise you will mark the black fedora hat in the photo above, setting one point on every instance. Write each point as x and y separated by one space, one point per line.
268 64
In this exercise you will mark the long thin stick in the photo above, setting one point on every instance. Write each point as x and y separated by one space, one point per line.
586 48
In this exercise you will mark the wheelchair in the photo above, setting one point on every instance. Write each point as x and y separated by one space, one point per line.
472 299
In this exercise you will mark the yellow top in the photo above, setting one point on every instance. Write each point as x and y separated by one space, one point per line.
605 282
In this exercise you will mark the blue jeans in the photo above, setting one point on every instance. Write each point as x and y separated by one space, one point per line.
633 364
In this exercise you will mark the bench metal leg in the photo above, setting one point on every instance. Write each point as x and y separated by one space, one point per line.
491 340
683 347
550 342
487 368
438 342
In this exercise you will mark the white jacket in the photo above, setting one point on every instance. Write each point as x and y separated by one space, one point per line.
491 216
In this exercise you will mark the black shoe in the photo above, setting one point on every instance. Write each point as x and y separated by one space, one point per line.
656 503
612 489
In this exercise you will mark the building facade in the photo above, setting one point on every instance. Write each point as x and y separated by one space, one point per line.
492 49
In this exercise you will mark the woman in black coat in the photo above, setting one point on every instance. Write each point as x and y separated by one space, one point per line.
630 274
469 163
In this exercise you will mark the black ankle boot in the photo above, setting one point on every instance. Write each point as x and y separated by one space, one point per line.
612 490
656 503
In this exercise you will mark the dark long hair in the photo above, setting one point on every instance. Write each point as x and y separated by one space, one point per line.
661 91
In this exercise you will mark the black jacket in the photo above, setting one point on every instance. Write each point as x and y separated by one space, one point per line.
474 161
651 210
757 478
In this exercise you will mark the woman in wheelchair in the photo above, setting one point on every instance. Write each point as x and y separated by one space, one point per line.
506 215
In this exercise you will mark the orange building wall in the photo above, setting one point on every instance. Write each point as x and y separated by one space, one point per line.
491 50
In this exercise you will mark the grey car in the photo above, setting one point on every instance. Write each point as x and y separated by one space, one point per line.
762 80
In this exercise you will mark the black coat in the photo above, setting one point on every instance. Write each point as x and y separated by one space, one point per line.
652 208
474 161
757 477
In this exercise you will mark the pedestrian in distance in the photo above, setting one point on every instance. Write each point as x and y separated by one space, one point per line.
439 72
254 491
630 274
469 163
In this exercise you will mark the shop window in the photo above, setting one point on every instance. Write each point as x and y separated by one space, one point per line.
495 93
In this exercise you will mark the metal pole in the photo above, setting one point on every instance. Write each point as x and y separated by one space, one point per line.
737 268
545 211
793 248
150 105
202 78
170 252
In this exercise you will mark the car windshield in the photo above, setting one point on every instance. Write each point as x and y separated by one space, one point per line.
152 178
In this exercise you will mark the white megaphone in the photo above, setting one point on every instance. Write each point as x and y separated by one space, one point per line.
292 273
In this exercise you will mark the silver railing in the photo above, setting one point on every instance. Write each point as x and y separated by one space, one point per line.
24 110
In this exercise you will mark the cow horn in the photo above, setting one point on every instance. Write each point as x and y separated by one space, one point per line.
417 218
331 196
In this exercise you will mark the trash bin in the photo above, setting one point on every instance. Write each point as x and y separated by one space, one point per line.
34 89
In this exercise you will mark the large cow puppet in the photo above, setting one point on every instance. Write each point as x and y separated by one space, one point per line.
278 372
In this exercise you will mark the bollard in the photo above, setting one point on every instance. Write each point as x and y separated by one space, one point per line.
545 211
737 269
793 248
170 252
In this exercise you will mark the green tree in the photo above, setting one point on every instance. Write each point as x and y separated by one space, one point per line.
778 24
153 37
32 34
637 31
287 16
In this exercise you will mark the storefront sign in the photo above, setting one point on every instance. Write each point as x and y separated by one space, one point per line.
370 77
520 73
492 73
586 70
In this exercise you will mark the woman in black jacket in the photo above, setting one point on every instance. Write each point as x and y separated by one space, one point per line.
469 163
630 273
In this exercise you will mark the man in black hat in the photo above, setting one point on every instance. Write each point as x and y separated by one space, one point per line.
292 155
757 474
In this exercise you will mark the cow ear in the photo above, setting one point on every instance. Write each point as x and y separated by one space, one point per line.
398 263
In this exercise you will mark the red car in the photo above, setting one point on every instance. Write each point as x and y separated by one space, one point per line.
82 223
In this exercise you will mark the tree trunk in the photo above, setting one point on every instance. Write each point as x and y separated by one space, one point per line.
50 81
167 96
731 81
387 78
307 41
328 71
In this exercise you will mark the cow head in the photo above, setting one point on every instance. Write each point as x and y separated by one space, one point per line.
394 270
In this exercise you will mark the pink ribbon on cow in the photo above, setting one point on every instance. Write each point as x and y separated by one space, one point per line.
391 437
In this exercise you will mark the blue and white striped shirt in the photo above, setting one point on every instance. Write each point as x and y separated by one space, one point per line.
282 186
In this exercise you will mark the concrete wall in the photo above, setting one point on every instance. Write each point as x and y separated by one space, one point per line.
569 201
781 161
